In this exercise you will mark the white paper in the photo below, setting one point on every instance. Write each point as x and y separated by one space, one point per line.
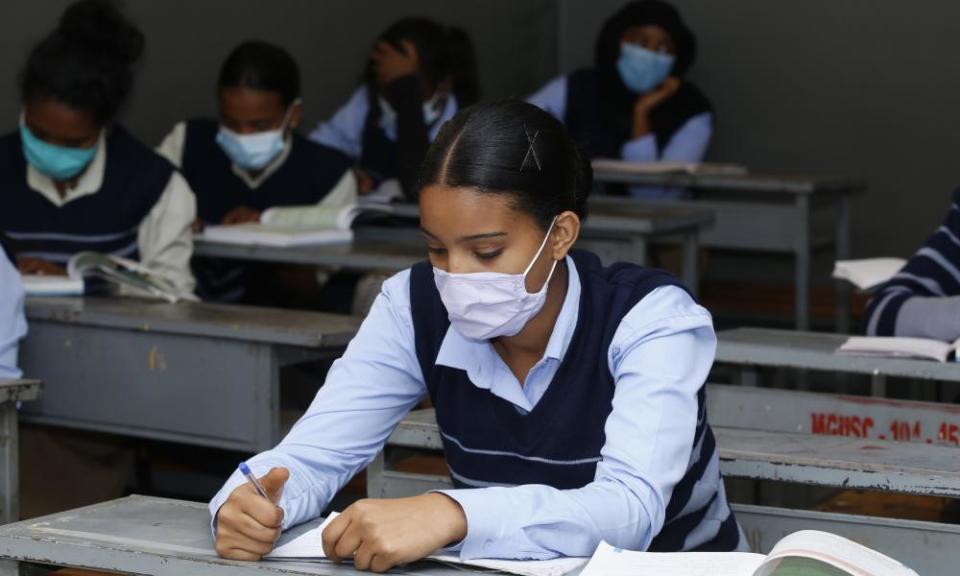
309 546
897 347
610 561
666 167
869 272
37 285
269 235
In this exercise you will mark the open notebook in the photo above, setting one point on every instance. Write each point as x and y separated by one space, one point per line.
308 547
329 222
899 347
805 553
107 270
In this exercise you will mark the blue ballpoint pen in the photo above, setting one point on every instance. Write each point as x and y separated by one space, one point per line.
245 470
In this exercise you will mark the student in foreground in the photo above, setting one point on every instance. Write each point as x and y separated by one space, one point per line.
13 325
252 158
922 300
418 75
72 178
635 102
570 397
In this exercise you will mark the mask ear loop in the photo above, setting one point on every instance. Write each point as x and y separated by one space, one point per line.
537 257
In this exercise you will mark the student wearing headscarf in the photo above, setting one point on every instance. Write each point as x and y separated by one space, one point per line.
635 102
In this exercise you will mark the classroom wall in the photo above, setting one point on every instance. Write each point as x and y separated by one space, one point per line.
867 87
188 39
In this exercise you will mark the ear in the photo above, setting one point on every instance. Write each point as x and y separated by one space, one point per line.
565 232
296 114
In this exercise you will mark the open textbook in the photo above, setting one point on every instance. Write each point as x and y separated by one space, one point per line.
329 222
107 269
308 547
805 553
869 272
666 167
899 347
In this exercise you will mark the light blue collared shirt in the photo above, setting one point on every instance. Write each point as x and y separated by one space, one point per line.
13 326
660 356
688 144
344 130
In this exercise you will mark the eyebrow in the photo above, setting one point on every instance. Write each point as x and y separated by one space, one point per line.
467 238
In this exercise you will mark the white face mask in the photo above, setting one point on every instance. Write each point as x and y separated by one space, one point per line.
432 110
254 151
485 305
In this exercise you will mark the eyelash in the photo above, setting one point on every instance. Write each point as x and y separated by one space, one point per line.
479 255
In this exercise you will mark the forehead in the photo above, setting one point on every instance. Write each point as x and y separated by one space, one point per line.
57 117
647 32
466 210
241 100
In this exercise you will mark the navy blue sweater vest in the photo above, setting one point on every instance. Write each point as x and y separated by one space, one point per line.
487 442
134 178
305 177
586 123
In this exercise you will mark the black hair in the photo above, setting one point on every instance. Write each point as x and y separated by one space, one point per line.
617 100
87 61
444 51
513 148
262 66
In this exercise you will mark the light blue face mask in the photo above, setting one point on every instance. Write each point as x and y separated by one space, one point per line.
643 70
57 162
254 151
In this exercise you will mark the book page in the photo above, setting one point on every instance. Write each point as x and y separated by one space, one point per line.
610 561
667 167
321 217
37 285
854 559
309 546
896 346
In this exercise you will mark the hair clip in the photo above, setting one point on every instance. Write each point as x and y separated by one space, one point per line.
530 151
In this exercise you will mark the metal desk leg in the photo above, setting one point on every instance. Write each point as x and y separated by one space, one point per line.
638 250
691 254
842 246
9 568
802 253
9 464
878 385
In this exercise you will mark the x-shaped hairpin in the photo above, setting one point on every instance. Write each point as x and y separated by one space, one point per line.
530 151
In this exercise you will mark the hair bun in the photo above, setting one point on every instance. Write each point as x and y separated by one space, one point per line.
100 25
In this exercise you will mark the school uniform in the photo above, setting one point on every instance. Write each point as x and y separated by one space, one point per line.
385 146
923 299
582 451
13 325
302 174
128 202
681 126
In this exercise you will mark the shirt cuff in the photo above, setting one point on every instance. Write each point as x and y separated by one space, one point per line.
642 149
482 522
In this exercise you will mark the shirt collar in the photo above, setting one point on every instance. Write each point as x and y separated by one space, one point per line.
480 361
89 182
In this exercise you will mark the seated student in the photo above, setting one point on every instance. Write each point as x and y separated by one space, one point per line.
923 299
75 180
252 158
634 103
570 397
418 75
13 326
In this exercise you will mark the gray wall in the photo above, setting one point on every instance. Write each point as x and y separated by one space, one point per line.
867 87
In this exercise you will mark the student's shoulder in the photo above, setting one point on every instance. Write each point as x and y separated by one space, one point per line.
124 147
318 150
693 97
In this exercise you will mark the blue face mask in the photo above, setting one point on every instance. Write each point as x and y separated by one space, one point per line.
57 162
254 151
643 70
